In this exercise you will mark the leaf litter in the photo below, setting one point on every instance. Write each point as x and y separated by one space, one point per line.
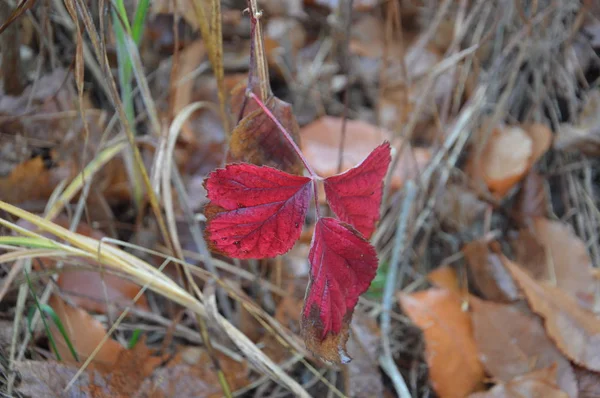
342 83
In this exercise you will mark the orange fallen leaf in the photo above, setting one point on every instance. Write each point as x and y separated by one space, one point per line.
33 180
445 277
575 331
321 141
532 385
85 333
451 352
509 153
513 343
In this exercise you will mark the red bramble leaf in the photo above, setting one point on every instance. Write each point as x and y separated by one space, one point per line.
255 212
355 195
343 264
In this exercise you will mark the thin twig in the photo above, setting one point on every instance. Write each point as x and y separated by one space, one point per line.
386 360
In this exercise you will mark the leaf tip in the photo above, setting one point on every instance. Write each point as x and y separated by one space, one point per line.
330 348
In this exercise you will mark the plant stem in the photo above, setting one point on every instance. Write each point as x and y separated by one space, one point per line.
258 50
314 176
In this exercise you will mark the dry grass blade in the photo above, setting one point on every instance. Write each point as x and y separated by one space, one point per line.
145 274
211 29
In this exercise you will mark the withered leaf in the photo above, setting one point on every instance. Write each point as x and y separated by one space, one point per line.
532 385
513 343
257 140
562 255
488 274
575 331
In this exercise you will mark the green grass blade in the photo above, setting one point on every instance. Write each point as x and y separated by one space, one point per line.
50 312
135 337
46 327
139 21
34 243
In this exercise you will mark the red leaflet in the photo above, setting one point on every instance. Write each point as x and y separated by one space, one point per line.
343 264
355 195
255 212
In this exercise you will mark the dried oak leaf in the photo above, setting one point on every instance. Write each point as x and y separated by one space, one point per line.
255 212
532 385
257 140
513 343
575 331
343 264
451 352
489 276
355 195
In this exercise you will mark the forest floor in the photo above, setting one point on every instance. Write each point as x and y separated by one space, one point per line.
460 261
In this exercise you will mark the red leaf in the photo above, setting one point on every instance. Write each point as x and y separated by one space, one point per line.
255 212
343 264
355 195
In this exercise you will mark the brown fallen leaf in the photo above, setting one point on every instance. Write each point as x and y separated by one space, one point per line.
362 377
85 333
588 382
321 141
97 290
135 374
509 153
190 374
552 252
532 385
451 352
532 200
457 207
488 274
575 331
512 343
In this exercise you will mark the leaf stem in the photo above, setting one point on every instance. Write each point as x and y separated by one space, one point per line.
258 52
315 177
